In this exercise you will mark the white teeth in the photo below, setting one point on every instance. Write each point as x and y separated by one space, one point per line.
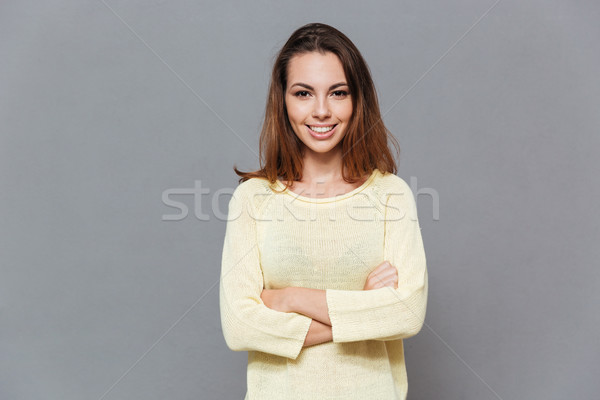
321 129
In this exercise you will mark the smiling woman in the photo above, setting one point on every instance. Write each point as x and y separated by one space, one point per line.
323 276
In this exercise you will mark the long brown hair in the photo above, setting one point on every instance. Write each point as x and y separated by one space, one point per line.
365 144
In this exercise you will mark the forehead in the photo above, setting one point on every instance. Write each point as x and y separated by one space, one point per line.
315 69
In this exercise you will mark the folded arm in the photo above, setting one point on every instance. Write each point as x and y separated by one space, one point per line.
386 313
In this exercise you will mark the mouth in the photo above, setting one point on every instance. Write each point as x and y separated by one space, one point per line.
321 132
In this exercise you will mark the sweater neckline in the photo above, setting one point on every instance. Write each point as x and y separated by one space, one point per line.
320 200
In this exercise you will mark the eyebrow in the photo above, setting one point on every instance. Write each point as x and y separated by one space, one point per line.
335 85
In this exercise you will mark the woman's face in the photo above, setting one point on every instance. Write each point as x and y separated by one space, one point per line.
318 100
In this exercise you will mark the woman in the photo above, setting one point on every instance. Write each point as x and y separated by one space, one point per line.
323 275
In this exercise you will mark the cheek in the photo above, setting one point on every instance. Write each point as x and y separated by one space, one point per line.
294 112
344 111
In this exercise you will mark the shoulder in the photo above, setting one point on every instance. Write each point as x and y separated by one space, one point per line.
252 192
396 195
389 185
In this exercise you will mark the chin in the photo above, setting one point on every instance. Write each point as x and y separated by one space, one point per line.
324 149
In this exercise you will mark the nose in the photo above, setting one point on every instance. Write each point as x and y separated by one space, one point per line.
321 109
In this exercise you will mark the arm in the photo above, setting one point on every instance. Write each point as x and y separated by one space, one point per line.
311 302
247 323
318 333
387 313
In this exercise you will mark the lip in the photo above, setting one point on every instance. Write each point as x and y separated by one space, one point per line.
318 135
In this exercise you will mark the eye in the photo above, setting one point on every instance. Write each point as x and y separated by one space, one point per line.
340 93
301 93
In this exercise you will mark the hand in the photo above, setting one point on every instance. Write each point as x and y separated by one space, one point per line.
384 275
276 299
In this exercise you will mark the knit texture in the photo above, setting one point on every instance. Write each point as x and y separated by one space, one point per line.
275 240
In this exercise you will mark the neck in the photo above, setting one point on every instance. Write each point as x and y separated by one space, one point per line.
322 166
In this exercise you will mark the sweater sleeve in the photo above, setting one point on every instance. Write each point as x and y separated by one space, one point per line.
387 313
247 323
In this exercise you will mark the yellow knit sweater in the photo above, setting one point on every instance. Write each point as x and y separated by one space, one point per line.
275 240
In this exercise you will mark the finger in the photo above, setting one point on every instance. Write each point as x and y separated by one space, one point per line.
386 274
390 266
391 283
392 271
383 284
381 267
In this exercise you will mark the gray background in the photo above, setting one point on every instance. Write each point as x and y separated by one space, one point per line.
105 105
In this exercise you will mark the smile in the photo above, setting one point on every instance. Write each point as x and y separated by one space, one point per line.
321 132
321 129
